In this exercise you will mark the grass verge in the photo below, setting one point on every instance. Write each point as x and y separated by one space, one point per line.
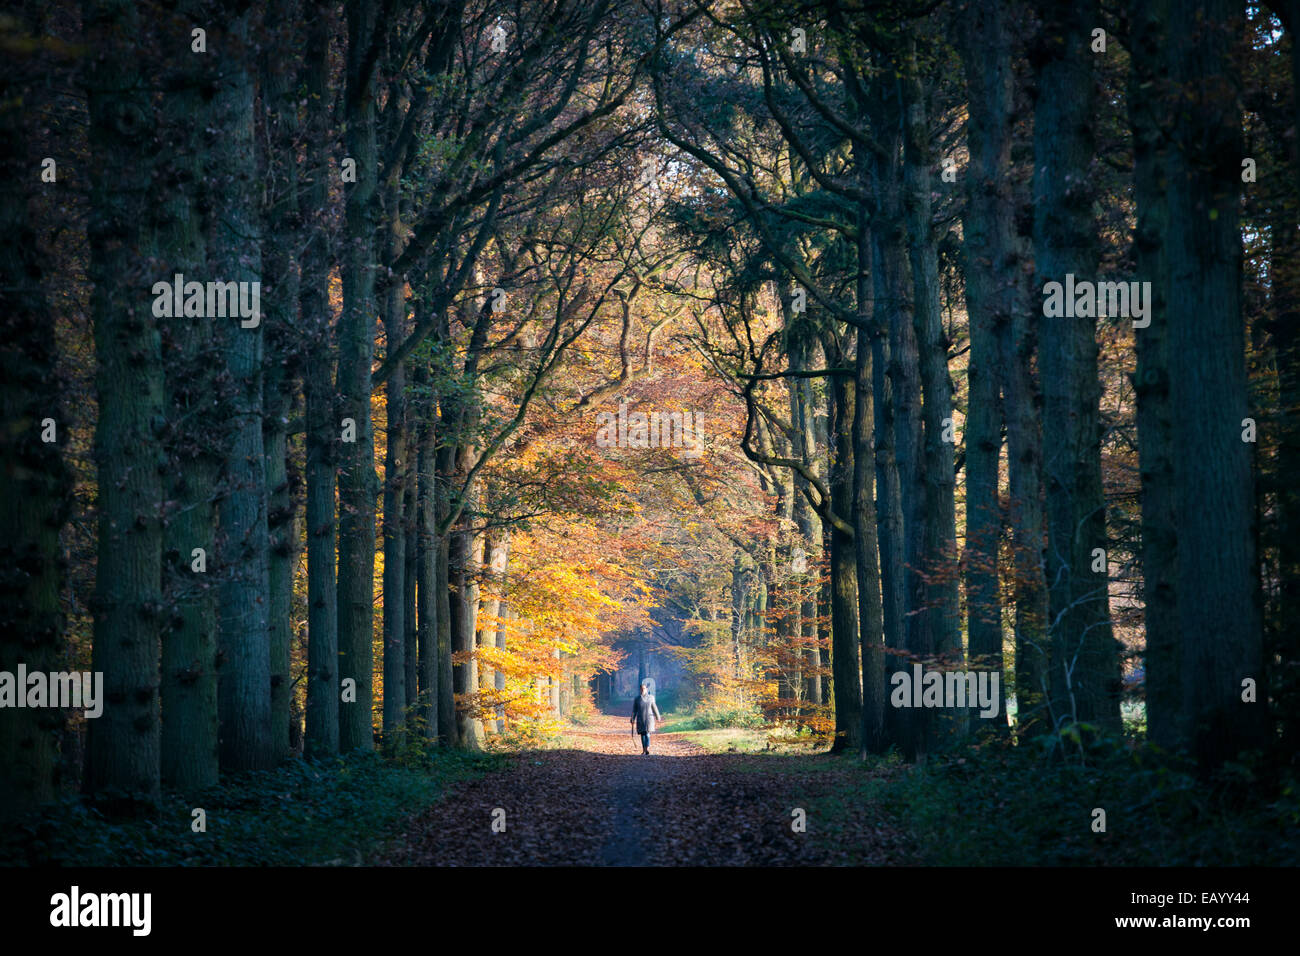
302 814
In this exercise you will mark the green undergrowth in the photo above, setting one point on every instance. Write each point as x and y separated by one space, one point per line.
305 813
748 740
714 719
995 804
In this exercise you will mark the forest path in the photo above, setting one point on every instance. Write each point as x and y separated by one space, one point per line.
604 804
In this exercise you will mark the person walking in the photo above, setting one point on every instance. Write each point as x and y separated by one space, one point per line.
644 714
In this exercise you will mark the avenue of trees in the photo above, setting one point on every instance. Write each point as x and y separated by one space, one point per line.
988 309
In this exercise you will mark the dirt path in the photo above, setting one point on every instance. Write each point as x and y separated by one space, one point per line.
604 804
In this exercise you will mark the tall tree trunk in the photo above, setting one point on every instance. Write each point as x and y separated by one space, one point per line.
802 414
1084 658
396 475
990 273
322 420
234 254
898 424
356 536
941 605
1218 600
124 743
500 683
824 613
1022 408
497 553
448 728
188 688
427 571
875 736
466 561
281 290
739 602
1147 118
845 656
411 528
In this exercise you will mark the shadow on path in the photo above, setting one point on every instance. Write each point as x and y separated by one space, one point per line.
604 804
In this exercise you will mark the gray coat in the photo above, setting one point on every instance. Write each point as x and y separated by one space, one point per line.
646 713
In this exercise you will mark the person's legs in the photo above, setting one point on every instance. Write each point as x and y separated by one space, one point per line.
645 743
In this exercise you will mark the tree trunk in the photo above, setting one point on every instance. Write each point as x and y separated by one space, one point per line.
356 584
427 573
411 528
466 561
898 424
124 742
322 421
244 684
497 552
1147 118
281 289
1218 601
448 728
802 414
875 737
1084 658
500 683
1021 406
193 445
554 687
845 657
739 600
941 605
396 475
988 243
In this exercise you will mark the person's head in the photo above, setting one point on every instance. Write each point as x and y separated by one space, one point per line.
645 688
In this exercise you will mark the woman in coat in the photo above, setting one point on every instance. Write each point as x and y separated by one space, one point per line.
644 714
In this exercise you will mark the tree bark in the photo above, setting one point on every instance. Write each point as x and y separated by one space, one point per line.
845 639
188 688
124 741
802 414
396 475
898 422
990 270
356 535
1218 600
1084 678
466 559
427 572
490 633
234 254
941 606
875 735
322 421
281 290
1148 119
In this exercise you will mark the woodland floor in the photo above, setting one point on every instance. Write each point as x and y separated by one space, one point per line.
601 803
